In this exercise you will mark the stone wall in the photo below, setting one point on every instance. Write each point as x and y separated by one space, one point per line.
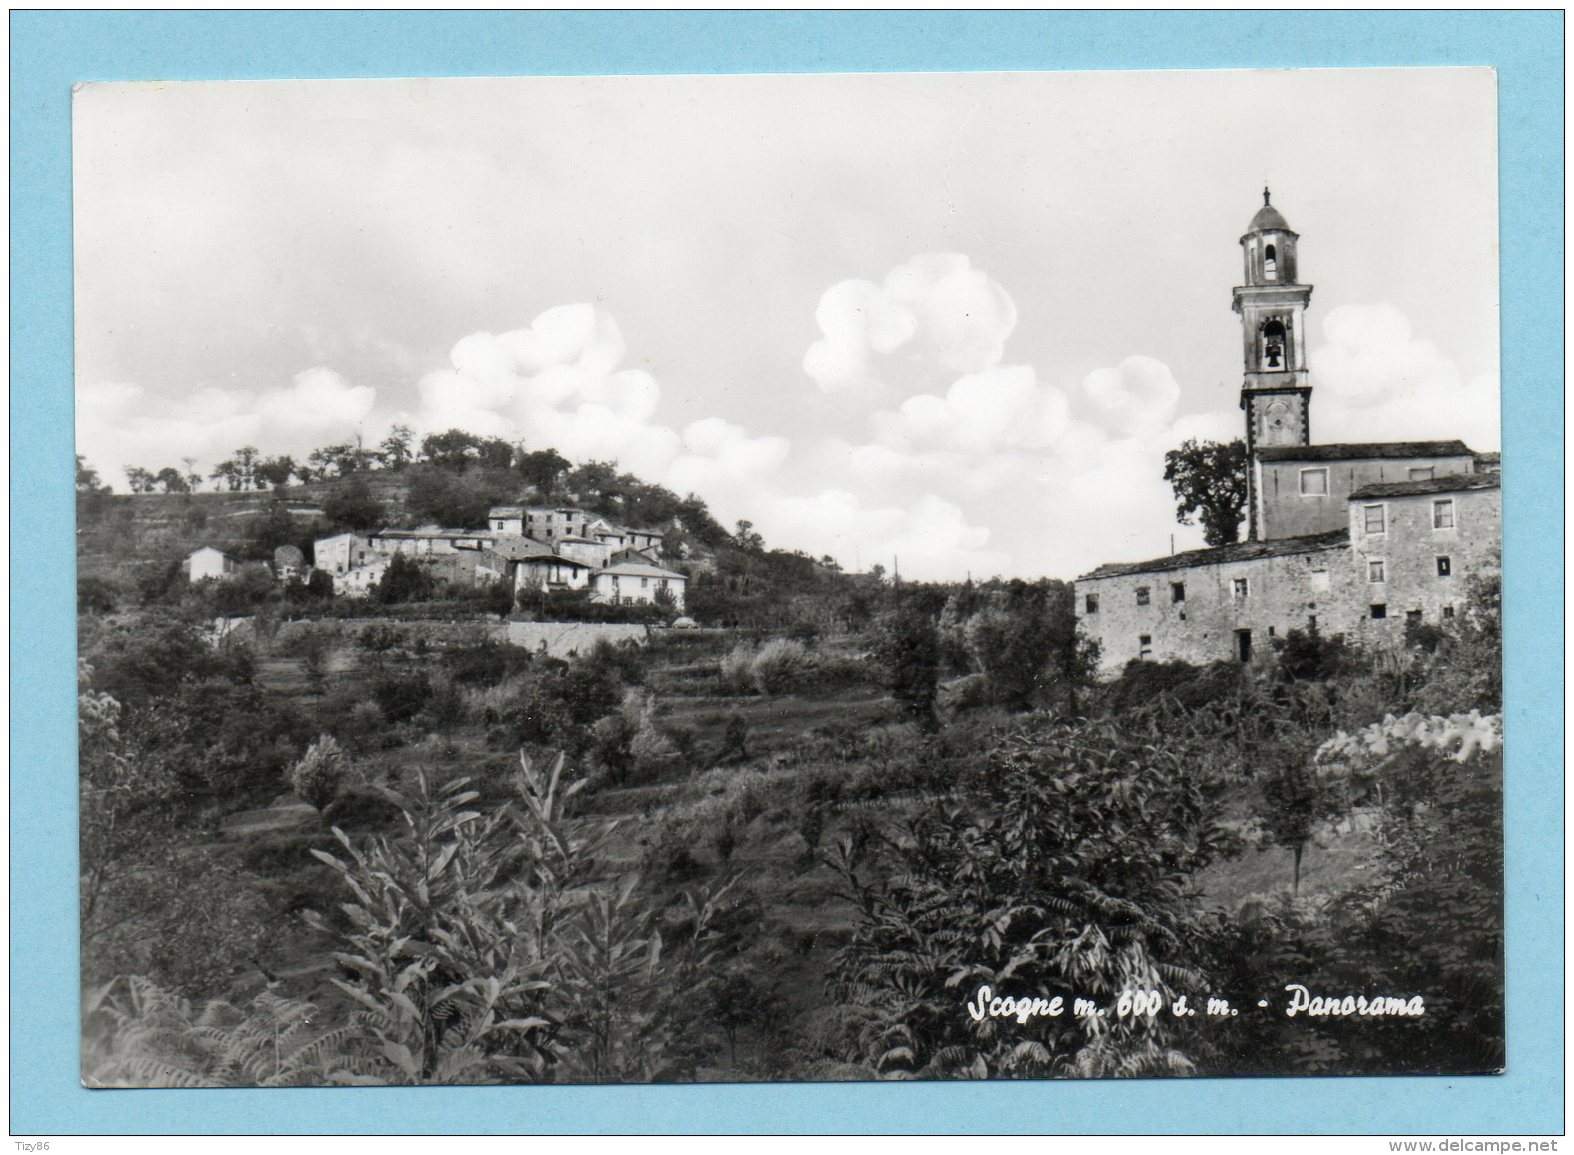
1285 512
1331 583
567 639
1282 592
1410 546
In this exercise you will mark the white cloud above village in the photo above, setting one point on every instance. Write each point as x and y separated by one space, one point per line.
929 320
1375 380
860 335
123 423
994 471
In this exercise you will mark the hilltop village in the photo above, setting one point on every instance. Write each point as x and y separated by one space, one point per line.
1358 539
546 549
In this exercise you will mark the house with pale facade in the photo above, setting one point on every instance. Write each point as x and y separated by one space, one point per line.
562 548
206 563
1357 539
638 582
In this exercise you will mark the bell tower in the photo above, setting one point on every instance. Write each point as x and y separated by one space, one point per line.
1276 393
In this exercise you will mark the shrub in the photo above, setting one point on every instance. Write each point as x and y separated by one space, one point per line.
1305 656
1190 686
445 708
403 581
320 774
737 669
96 596
781 665
401 696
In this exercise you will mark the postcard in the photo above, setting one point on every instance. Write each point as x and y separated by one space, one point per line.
789 578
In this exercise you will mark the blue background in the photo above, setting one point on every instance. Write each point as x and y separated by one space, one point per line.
51 51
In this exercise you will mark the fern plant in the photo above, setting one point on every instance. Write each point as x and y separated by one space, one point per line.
137 1034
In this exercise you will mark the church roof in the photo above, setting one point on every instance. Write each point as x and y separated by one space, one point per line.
1448 483
1221 554
1364 451
1269 219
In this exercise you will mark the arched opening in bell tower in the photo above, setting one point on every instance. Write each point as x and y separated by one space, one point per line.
1273 355
1270 262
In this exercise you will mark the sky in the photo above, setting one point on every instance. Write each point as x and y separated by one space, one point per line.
943 322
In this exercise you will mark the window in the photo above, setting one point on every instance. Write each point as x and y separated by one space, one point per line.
1142 595
1443 513
1379 610
1177 591
1270 261
1445 567
1374 571
1319 580
1448 611
1090 604
1375 518
1412 615
1314 482
1270 631
1241 587
1145 646
1421 473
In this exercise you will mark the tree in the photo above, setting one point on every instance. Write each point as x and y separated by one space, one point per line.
171 480
320 774
495 453
140 480
397 447
907 646
352 505
1209 480
228 474
88 480
543 469
747 538
453 449
403 581
596 483
275 471
448 500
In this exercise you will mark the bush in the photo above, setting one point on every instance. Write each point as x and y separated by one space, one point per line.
1307 656
320 774
737 669
96 596
781 665
401 696
1190 686
403 581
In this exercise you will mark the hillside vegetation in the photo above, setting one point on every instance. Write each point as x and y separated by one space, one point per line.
794 843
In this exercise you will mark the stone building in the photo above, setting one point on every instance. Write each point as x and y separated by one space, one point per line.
1353 539
630 581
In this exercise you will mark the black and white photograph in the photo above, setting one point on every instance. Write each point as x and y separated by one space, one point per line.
789 578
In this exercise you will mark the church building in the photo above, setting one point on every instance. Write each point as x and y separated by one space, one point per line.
1352 539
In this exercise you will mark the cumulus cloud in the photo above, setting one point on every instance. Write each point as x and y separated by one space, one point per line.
928 321
121 423
561 382
1138 396
928 536
1374 380
1000 408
